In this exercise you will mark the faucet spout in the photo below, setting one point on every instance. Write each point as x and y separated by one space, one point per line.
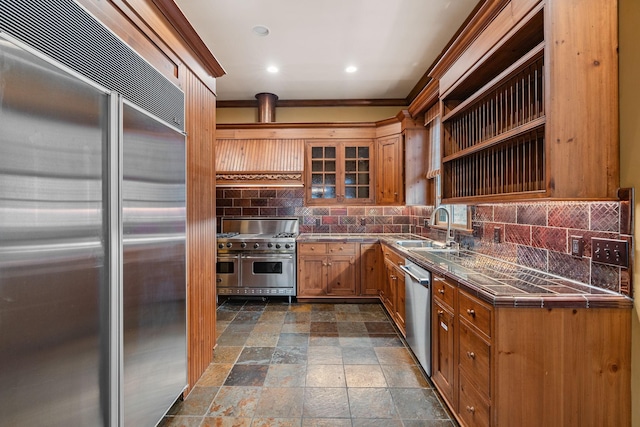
449 239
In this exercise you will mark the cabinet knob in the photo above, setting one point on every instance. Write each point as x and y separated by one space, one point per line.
471 409
324 264
440 312
329 264
441 291
471 312
471 355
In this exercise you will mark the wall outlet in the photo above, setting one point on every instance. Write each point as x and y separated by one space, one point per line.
497 235
426 222
317 222
363 221
577 246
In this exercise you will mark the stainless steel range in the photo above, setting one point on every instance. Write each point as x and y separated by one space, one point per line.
257 256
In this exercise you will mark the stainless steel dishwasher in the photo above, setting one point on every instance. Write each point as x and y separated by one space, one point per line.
418 312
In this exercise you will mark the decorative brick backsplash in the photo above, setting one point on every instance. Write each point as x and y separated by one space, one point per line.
538 235
535 234
290 202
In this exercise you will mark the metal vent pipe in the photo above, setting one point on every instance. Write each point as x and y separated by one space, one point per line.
266 107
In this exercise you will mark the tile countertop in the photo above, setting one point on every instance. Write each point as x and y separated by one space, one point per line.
500 283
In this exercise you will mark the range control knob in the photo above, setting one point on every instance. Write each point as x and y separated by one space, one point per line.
269 245
278 246
256 245
287 246
243 245
220 245
229 244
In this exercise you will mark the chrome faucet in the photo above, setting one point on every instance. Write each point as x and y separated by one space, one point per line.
449 241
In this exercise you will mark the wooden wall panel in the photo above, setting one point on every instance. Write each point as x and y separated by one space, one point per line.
201 225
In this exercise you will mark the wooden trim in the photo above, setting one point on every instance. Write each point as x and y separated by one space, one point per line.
289 103
180 23
472 29
425 99
230 126
426 77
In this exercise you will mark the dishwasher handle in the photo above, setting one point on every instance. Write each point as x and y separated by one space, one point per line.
420 280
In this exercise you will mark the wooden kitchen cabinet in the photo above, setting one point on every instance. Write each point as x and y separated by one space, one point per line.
389 171
392 293
327 269
443 340
505 366
339 172
461 351
529 109
371 269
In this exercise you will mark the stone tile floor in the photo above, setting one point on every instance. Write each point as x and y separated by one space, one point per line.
309 365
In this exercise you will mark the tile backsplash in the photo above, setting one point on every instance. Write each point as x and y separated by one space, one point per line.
535 234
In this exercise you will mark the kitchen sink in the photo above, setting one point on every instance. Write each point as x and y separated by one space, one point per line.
417 243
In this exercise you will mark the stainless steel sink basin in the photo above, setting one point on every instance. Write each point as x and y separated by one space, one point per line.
416 243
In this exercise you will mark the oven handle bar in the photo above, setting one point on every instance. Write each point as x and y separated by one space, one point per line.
268 256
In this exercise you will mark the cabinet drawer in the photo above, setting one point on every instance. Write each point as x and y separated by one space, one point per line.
443 291
312 248
475 358
473 409
395 258
475 312
342 248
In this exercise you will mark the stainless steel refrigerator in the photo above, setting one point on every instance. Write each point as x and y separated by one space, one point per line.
92 251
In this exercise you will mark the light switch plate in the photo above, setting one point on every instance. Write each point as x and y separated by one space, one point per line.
577 246
610 251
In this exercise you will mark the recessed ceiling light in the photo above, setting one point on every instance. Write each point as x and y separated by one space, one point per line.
260 30
272 69
351 69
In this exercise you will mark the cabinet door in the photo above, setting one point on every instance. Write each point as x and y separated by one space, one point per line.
341 275
443 351
389 171
322 172
389 298
370 269
312 276
339 172
400 299
358 173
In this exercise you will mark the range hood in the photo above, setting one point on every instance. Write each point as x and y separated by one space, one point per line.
260 161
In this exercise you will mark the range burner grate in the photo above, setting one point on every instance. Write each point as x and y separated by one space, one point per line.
226 235
285 235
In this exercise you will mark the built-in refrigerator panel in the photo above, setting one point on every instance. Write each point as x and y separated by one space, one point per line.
54 367
154 276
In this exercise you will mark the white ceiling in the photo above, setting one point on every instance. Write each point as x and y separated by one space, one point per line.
392 42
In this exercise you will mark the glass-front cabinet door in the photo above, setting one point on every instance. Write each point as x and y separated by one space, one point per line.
339 172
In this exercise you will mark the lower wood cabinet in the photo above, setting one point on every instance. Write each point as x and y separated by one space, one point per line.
506 366
392 292
327 269
443 327
371 268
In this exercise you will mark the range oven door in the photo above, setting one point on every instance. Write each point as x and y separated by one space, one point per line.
228 271
268 271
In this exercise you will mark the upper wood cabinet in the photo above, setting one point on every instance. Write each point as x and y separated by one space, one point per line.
340 172
402 152
389 171
530 109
